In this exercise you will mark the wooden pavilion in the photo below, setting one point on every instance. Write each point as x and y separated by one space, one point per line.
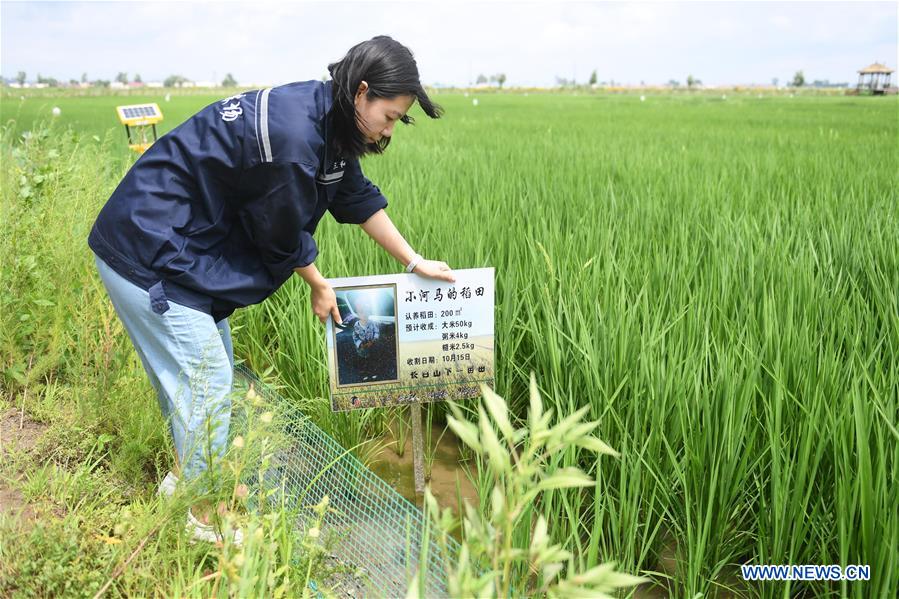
874 78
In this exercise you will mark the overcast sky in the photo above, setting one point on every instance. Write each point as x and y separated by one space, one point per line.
531 42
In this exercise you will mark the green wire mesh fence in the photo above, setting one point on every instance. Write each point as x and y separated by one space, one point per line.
371 525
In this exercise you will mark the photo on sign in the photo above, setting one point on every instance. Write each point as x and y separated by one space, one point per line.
366 341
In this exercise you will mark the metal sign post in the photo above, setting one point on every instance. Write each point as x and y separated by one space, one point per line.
418 455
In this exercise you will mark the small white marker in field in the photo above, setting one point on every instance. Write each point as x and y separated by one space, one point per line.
466 94
168 97
724 96
22 98
56 111
474 102
642 98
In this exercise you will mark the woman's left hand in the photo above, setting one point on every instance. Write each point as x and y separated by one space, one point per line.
435 269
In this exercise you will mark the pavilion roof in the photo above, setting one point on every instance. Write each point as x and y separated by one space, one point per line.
875 68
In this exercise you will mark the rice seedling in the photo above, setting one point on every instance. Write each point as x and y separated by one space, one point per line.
399 429
430 445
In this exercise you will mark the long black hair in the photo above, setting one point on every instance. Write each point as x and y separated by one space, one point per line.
390 71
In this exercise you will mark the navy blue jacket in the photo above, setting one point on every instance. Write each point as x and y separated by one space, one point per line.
219 211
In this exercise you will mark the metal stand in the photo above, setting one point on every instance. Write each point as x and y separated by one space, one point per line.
418 456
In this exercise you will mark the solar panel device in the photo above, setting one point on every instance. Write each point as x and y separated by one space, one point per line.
141 118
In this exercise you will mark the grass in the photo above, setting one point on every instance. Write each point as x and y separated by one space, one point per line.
495 561
94 522
95 114
716 279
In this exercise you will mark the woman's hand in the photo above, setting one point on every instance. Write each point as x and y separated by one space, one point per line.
324 303
435 269
324 300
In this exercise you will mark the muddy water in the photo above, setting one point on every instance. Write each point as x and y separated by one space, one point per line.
446 470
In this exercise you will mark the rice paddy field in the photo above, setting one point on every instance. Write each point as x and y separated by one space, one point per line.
716 278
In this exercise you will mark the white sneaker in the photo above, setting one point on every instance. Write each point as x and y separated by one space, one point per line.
206 532
167 486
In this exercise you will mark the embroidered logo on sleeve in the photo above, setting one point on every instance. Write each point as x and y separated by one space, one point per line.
231 108
333 173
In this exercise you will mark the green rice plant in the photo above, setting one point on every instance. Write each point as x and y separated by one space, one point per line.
399 429
430 445
717 281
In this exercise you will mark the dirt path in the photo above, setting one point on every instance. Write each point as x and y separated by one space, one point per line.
17 435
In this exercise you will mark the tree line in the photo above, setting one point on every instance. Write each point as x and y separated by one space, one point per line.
121 77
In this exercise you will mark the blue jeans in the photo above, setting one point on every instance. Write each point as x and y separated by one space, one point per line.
189 360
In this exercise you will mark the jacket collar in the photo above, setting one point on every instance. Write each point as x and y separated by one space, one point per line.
329 96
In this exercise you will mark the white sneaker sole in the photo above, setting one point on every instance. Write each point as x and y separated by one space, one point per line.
206 533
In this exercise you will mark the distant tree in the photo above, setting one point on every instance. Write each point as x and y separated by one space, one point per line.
137 78
499 79
481 79
47 80
775 81
174 81
100 83
674 83
229 81
73 82
798 79
83 77
122 77
690 81
593 77
20 77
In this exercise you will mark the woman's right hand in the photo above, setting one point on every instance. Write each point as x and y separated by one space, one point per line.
324 303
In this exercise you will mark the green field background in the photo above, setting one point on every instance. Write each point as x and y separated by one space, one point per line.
718 278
